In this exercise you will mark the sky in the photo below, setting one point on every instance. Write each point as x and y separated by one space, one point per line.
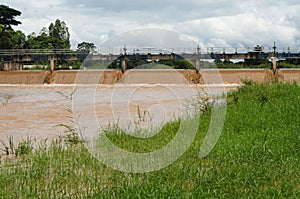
220 23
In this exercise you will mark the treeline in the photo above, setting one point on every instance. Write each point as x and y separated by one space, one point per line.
253 63
185 64
55 36
160 64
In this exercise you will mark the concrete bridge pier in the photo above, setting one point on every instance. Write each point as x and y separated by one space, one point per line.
52 65
197 65
124 65
274 58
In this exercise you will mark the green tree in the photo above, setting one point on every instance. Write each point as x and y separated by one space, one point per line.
45 42
7 16
18 39
55 37
30 40
60 31
7 19
85 46
44 32
5 38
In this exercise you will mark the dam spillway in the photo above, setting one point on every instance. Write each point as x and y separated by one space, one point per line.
230 76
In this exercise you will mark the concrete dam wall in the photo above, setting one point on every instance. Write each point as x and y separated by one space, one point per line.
231 76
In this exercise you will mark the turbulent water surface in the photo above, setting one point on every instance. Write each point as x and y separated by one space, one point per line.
36 111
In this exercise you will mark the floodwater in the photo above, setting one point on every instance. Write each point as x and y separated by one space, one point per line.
36 111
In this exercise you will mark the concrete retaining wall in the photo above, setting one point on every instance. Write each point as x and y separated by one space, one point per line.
22 77
142 76
85 77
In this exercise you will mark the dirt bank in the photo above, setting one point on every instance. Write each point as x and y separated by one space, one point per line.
231 76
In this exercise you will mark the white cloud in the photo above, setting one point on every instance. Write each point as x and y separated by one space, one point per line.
245 29
214 23
35 4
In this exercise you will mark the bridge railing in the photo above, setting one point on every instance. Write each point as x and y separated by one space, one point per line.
40 52
121 51
201 50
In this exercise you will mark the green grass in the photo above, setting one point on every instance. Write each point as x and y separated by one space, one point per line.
257 156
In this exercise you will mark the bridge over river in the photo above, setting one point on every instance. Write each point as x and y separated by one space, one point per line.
15 59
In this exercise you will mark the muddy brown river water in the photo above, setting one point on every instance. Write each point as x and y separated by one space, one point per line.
31 109
35 111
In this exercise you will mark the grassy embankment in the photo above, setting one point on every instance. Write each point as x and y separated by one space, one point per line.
257 156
